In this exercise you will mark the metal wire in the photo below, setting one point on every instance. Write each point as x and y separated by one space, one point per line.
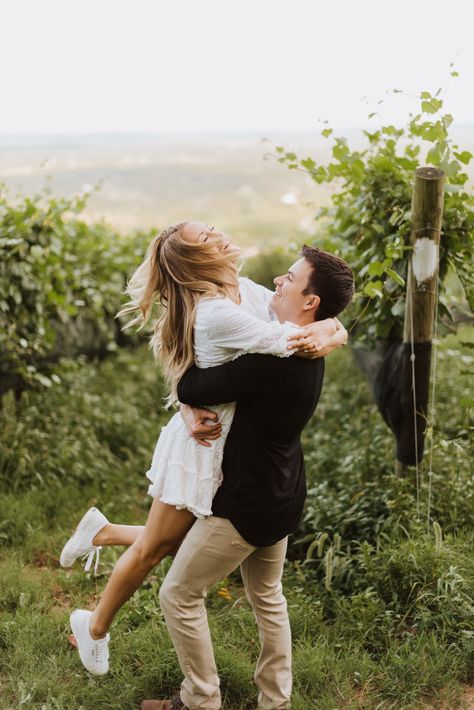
413 386
433 405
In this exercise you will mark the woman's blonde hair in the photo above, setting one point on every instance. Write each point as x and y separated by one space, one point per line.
176 275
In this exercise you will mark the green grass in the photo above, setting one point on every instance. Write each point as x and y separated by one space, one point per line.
394 629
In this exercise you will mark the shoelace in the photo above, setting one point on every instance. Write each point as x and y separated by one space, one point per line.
99 650
90 556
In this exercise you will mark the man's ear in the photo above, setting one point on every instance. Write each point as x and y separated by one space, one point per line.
312 303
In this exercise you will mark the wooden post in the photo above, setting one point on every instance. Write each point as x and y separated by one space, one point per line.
426 215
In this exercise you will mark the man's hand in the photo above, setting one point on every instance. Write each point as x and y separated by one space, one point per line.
319 339
202 424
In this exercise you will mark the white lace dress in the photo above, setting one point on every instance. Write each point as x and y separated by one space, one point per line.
183 473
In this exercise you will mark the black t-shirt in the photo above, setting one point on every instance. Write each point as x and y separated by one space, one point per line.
264 484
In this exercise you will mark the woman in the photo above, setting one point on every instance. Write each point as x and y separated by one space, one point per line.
209 316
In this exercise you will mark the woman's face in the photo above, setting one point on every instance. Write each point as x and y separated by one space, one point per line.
198 232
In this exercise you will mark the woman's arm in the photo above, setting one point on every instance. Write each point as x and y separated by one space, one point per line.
319 338
234 329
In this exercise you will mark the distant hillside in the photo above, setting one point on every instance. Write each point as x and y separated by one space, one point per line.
148 180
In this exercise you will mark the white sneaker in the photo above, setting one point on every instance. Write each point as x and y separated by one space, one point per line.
93 653
80 544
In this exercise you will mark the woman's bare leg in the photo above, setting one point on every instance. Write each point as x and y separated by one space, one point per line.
166 526
112 534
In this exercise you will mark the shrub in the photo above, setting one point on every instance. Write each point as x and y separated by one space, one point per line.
369 220
61 284
88 428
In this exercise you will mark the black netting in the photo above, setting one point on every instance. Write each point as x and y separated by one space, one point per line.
389 371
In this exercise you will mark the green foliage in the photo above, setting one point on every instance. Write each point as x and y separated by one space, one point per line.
352 491
384 619
85 436
379 573
61 281
403 586
368 222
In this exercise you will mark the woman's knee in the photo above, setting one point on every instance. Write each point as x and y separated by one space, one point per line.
152 553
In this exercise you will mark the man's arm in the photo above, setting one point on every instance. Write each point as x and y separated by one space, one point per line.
245 377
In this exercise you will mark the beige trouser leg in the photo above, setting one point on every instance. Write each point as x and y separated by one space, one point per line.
261 572
210 551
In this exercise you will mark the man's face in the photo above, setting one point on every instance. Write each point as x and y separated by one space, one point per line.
288 302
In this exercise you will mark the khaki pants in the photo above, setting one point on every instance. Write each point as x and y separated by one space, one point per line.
211 550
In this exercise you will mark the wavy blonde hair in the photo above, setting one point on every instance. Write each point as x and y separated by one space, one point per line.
176 275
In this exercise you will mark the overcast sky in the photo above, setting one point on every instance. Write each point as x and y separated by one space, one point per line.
227 65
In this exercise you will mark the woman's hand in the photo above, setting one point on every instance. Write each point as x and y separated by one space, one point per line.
314 336
318 339
202 424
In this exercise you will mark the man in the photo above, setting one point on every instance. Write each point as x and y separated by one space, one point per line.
260 501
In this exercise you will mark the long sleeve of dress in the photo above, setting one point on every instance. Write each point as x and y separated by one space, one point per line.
231 328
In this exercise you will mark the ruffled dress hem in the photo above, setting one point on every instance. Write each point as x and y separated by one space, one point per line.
179 505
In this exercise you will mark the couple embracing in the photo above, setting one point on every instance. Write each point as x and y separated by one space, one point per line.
228 485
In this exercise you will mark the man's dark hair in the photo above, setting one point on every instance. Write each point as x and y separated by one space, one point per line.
331 279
